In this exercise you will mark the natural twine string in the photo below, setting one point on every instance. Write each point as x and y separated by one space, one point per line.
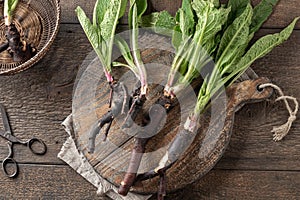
281 131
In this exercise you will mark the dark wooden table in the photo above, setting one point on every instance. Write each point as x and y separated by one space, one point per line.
253 167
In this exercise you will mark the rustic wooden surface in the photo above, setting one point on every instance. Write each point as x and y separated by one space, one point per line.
253 167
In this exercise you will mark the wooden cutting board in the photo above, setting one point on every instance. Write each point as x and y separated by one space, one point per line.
111 158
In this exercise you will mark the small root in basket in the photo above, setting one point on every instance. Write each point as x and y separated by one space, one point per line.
18 48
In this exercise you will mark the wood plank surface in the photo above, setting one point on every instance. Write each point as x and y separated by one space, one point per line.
39 99
59 182
47 182
285 12
253 167
239 184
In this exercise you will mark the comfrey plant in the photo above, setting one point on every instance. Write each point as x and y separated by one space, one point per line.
203 32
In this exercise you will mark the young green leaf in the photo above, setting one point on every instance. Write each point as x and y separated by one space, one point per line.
91 32
157 19
185 23
125 51
110 19
160 22
210 22
141 8
180 61
237 8
99 10
101 32
235 37
136 52
176 37
186 18
9 7
261 12
263 46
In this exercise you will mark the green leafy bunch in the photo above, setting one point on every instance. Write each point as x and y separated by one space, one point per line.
101 30
133 57
234 54
206 30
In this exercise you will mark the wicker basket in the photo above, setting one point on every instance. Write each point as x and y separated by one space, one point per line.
37 21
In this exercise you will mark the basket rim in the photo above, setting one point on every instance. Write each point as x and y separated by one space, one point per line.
36 58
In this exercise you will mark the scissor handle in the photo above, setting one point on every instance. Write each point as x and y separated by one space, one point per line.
10 161
33 141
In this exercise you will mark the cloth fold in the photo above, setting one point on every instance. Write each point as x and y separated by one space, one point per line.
76 159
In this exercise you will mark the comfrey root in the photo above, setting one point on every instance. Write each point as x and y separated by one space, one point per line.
156 114
119 100
18 48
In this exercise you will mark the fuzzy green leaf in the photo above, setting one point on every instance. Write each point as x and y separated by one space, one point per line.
141 8
201 7
110 19
158 19
125 51
186 18
237 56
263 46
261 12
210 22
205 37
99 11
124 48
160 22
90 30
176 37
185 24
237 8
235 37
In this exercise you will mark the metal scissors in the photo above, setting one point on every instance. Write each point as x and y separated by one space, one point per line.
7 134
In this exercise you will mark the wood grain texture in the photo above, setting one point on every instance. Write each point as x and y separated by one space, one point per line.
39 99
253 167
60 182
285 11
233 184
201 154
47 182
26 97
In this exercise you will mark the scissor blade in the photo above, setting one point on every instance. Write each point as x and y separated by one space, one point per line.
3 134
5 119
8 136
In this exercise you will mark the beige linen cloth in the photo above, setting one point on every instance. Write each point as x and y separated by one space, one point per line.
76 159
